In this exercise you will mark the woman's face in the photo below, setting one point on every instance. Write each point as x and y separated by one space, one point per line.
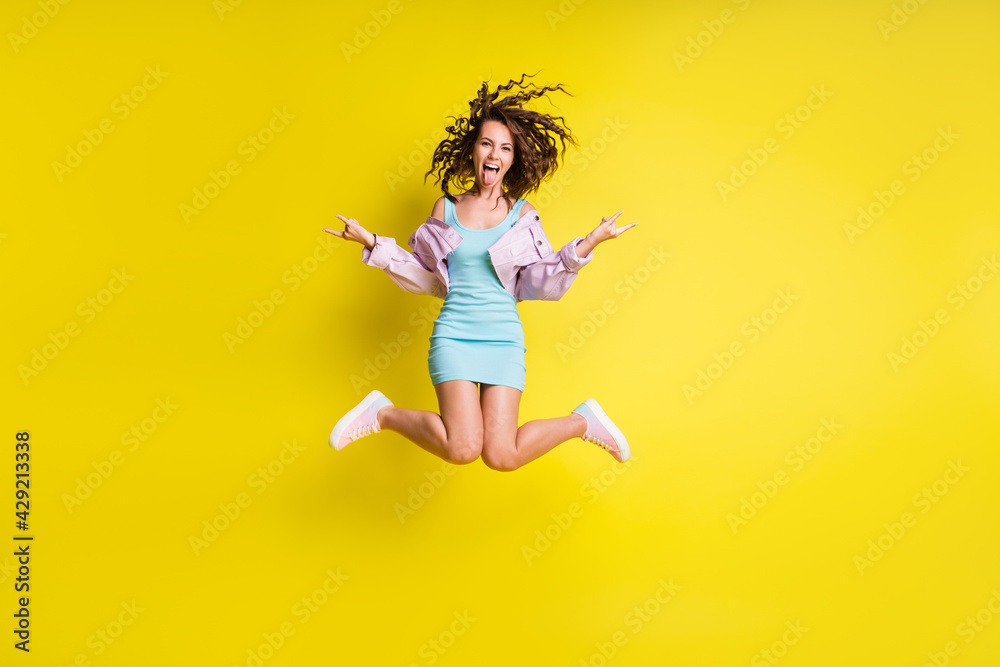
494 148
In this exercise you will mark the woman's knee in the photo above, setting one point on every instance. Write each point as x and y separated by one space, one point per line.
465 448
499 454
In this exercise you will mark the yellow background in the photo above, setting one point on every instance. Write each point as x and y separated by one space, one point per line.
358 117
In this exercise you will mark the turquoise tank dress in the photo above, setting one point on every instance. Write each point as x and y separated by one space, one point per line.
478 334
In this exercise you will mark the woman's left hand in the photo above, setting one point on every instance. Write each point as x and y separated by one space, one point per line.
609 230
604 231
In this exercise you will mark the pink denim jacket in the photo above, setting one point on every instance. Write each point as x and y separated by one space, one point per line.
523 258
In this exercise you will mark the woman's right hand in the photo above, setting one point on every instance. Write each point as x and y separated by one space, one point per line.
354 232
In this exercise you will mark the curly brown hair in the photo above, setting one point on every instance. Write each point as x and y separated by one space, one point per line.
536 155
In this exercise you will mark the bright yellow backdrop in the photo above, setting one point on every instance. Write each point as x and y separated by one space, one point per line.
811 400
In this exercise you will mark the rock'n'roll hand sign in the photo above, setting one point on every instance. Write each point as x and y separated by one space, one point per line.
353 231
608 229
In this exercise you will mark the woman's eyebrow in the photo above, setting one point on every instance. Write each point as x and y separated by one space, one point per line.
506 143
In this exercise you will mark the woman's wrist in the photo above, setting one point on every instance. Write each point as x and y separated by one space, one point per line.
585 247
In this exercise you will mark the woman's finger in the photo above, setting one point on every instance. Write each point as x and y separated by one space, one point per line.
334 232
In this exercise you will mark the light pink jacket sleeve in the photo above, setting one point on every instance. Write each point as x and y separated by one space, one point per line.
406 269
549 278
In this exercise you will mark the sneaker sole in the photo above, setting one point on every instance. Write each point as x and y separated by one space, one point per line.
341 426
612 429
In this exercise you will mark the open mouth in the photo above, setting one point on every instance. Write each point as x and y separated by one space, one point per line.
490 173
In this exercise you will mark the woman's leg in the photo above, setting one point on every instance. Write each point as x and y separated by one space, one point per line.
456 435
507 447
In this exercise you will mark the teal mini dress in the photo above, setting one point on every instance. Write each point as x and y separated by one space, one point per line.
478 334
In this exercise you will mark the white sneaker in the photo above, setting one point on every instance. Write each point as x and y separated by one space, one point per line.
362 420
602 431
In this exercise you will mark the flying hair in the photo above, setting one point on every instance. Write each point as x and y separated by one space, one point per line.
540 140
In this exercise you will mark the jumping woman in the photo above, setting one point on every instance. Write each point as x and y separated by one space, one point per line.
482 251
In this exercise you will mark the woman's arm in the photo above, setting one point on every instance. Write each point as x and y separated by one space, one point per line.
550 277
405 269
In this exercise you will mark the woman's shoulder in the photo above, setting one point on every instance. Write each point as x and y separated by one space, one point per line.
438 209
433 231
527 207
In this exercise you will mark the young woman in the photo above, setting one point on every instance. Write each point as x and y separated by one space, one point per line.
483 251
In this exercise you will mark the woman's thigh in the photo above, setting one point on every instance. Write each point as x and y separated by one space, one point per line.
500 405
458 401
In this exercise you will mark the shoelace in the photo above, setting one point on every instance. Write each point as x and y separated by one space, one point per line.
597 441
361 432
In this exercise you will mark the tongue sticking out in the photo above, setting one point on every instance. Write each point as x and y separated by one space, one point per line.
489 175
